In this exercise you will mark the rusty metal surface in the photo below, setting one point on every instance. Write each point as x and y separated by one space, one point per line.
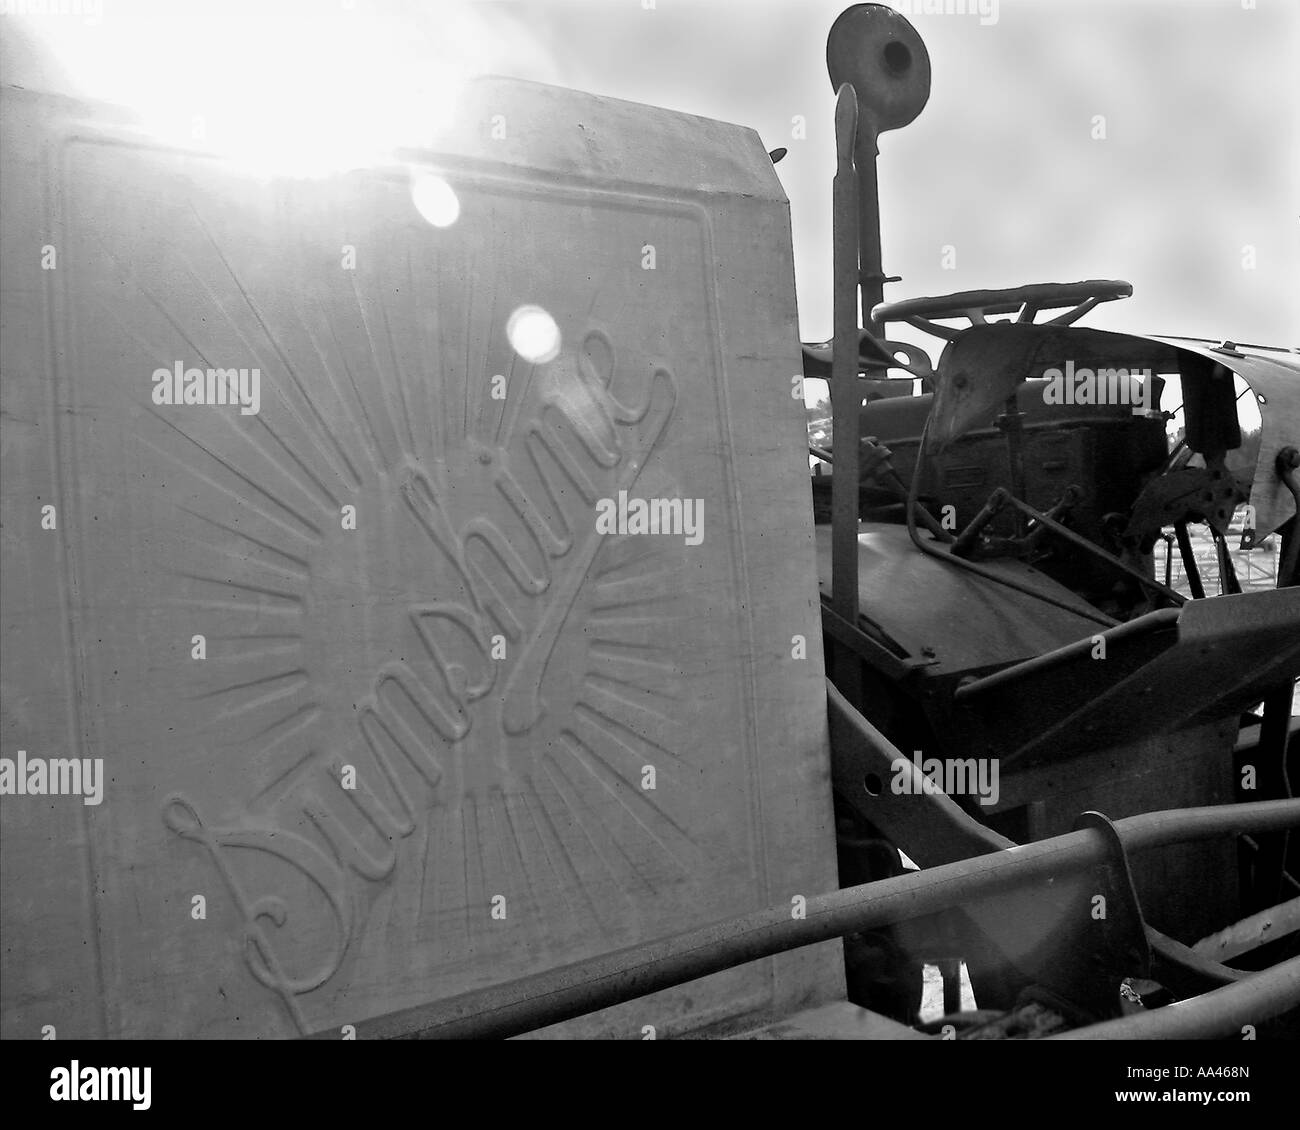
926 824
1190 768
1274 377
881 658
983 364
1183 970
528 1003
918 601
1251 933
1219 1014
518 776
1033 930
1208 660
1047 522
844 382
883 56
839 1020
933 830
875 51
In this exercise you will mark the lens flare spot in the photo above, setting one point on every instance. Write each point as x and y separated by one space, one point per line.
533 334
435 200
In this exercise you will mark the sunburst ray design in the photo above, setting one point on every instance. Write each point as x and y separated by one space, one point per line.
331 647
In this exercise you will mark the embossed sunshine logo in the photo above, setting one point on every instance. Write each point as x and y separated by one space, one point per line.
519 676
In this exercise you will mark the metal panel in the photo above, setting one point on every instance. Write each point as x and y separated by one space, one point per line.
1208 660
512 767
919 603
1274 378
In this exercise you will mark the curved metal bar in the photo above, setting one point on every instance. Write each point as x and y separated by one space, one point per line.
1072 316
1162 619
945 332
1223 1012
1182 969
585 986
1183 825
1083 543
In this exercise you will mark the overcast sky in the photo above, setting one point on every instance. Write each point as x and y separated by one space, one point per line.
1200 99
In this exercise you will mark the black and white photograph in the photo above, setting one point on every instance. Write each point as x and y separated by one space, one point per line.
724 521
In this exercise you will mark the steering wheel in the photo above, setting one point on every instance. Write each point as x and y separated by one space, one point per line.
1028 300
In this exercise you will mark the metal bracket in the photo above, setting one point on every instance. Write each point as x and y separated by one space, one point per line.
1037 930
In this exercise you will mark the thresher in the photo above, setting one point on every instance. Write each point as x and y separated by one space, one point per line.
468 649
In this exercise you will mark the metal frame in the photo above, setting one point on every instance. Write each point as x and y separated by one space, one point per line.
572 990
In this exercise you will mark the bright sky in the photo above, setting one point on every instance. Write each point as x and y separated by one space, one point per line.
1199 161
1192 195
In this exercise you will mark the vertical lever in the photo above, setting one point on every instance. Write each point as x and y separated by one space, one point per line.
845 395
880 71
871 271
